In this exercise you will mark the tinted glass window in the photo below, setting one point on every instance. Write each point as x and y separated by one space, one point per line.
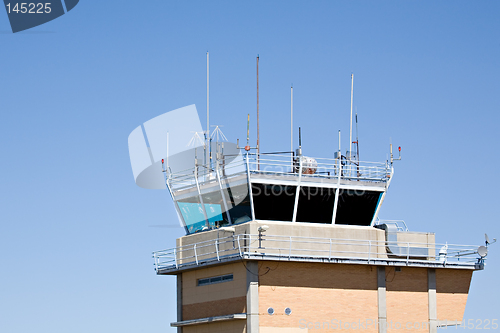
273 202
356 207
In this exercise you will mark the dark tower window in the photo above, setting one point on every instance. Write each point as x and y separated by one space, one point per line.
273 202
316 204
356 207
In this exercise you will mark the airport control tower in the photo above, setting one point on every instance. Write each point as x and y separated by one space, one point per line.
281 242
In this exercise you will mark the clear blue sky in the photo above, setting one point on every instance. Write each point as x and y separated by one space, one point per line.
75 231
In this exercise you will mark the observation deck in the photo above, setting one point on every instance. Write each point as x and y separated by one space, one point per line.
275 187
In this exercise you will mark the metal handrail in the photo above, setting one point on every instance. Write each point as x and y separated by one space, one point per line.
399 224
289 247
282 165
374 170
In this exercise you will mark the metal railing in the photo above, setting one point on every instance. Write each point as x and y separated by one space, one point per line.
295 248
279 165
399 224
201 174
326 168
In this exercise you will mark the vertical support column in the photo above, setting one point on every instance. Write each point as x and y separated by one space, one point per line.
431 286
207 223
335 203
339 174
297 193
224 200
179 301
381 200
381 300
250 192
252 297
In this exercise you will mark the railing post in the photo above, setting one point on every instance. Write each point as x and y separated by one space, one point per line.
156 261
369 250
239 246
217 249
207 223
195 254
407 253
297 193
222 194
290 250
330 251
250 192
175 258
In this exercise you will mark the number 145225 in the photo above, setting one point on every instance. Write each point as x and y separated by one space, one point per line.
29 8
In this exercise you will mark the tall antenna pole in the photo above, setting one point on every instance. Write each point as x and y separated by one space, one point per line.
258 124
350 126
340 151
248 130
291 118
207 152
300 140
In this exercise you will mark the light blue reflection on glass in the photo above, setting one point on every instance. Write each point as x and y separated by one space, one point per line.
194 217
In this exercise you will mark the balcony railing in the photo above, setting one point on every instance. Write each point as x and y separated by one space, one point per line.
326 168
314 249
280 165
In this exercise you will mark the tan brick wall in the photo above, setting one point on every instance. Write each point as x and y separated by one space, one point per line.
453 280
408 279
324 295
282 330
318 275
329 307
407 299
234 326
451 307
214 299
214 308
317 293
452 286
407 310
191 293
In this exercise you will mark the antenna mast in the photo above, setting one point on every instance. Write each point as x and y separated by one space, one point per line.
247 147
299 151
207 153
258 127
248 133
350 135
291 118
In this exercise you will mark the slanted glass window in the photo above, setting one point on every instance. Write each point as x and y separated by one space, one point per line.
229 206
356 207
192 213
315 204
215 279
273 201
215 208
239 209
